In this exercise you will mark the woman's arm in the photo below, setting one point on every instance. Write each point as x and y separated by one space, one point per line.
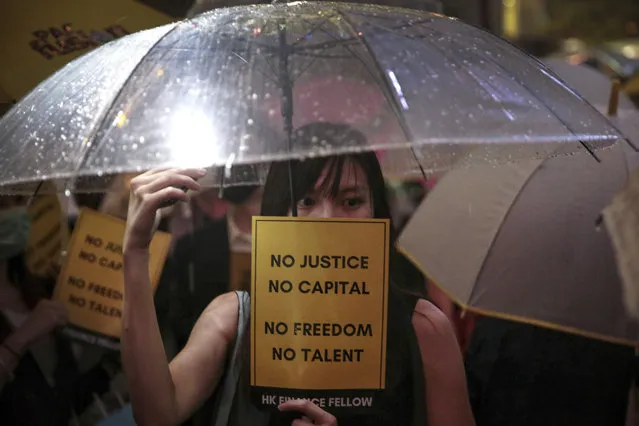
164 394
447 400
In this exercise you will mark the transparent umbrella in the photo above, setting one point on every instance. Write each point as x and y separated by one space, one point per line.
229 86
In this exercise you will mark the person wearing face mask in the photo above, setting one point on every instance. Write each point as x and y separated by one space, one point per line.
39 380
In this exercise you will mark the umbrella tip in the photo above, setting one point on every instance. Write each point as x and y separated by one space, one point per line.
613 101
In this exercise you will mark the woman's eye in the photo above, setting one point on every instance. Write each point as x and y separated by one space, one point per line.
353 202
306 202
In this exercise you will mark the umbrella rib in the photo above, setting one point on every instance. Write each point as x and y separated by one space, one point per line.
387 88
311 31
243 59
85 155
351 40
318 56
269 64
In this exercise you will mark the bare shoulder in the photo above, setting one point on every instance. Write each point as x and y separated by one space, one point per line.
430 321
221 316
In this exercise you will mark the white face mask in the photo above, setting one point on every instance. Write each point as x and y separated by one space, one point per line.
15 226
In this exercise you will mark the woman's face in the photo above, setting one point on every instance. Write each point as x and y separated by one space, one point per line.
353 198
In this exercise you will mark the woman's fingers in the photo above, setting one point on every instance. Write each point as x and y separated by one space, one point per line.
144 188
183 182
155 171
155 200
302 422
310 411
184 179
153 175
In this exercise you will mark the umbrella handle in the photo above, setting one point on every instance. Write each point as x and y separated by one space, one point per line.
613 101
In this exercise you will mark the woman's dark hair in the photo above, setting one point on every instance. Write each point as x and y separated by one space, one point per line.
277 201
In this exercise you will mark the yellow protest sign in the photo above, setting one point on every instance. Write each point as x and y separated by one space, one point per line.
319 309
49 234
39 36
92 283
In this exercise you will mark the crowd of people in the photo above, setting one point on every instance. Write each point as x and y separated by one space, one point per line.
444 366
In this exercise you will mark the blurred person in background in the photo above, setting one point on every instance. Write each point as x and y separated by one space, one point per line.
40 380
113 200
202 208
404 197
521 374
194 257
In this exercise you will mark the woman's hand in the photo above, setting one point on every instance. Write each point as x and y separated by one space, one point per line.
313 414
151 191
46 317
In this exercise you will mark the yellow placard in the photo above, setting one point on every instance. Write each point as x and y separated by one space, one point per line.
49 234
38 37
319 303
92 283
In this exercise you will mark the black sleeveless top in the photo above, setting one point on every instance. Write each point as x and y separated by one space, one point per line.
401 403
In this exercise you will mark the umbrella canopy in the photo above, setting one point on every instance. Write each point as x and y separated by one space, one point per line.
520 242
200 6
197 93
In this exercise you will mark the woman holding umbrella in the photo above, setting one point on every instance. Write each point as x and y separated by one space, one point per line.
431 391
